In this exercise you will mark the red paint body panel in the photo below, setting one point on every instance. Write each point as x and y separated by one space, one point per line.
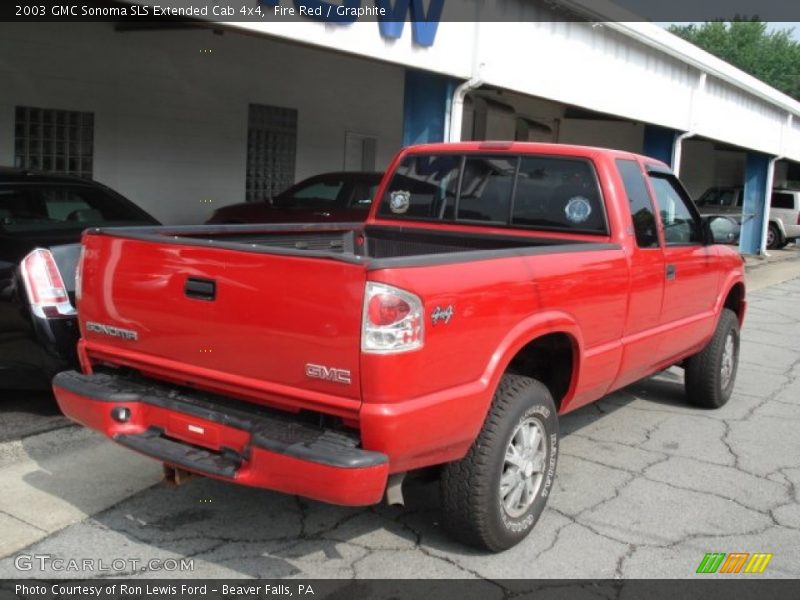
271 315
276 312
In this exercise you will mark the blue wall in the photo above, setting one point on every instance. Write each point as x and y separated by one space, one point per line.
425 106
659 143
755 187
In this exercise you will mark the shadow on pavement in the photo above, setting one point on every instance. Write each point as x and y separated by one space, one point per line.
24 413
239 531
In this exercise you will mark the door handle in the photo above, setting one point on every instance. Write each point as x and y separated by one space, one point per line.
200 289
671 272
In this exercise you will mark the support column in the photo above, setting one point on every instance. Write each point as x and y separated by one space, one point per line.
659 143
756 176
426 105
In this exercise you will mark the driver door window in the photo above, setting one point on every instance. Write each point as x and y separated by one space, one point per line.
677 219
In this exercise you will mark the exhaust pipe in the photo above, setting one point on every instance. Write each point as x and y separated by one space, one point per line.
394 490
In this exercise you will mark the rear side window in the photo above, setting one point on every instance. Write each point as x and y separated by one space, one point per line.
783 201
538 192
644 219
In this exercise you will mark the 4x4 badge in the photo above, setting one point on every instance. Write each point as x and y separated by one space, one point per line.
442 314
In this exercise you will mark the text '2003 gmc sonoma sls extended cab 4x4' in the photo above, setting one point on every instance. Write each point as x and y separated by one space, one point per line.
493 287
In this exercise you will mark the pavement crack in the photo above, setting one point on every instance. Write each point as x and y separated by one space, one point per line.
302 507
619 568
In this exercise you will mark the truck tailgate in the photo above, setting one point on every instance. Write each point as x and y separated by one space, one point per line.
270 328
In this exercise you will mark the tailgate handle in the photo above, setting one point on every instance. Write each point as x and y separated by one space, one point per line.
200 289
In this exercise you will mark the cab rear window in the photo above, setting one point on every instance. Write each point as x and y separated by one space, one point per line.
520 191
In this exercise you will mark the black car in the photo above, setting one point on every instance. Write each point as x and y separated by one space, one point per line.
41 220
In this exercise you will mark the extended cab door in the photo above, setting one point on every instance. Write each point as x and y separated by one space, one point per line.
642 346
691 269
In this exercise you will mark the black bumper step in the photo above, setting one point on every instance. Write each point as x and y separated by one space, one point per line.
153 444
269 429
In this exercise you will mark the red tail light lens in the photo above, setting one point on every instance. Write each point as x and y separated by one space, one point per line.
393 320
47 293
386 309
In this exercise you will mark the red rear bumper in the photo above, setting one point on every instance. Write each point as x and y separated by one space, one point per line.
226 440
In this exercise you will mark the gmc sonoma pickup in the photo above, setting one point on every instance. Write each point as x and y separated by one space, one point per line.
493 287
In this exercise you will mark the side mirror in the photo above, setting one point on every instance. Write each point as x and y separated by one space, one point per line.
720 229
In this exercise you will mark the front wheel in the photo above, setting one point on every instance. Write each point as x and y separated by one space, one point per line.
711 373
492 498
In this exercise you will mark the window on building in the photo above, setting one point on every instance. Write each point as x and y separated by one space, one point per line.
55 141
271 149
644 219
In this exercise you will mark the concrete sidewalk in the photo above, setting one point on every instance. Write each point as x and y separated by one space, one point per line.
790 252
54 479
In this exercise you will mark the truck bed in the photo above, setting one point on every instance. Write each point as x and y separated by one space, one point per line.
356 243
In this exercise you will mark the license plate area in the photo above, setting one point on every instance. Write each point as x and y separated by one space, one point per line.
193 431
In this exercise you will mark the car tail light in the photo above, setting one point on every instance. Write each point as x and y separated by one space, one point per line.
393 320
46 290
79 275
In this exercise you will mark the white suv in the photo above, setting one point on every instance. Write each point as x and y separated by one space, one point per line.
784 218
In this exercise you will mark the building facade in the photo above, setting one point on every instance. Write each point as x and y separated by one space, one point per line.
184 120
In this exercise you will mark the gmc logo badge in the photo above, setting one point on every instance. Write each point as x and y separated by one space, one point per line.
328 373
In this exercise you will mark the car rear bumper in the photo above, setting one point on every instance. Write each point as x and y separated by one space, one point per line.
225 439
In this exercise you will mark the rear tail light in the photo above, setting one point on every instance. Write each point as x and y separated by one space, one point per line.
46 291
79 275
798 218
392 321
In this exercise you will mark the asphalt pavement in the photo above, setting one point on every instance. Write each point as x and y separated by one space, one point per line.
646 486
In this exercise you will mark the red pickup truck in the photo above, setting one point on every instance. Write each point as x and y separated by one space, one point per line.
493 287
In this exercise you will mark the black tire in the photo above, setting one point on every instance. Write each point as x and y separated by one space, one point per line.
705 382
472 509
774 237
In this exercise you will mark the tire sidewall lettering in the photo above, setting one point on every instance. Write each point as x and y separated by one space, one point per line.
528 520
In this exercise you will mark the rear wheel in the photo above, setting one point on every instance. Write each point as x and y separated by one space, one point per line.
711 373
774 237
492 498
